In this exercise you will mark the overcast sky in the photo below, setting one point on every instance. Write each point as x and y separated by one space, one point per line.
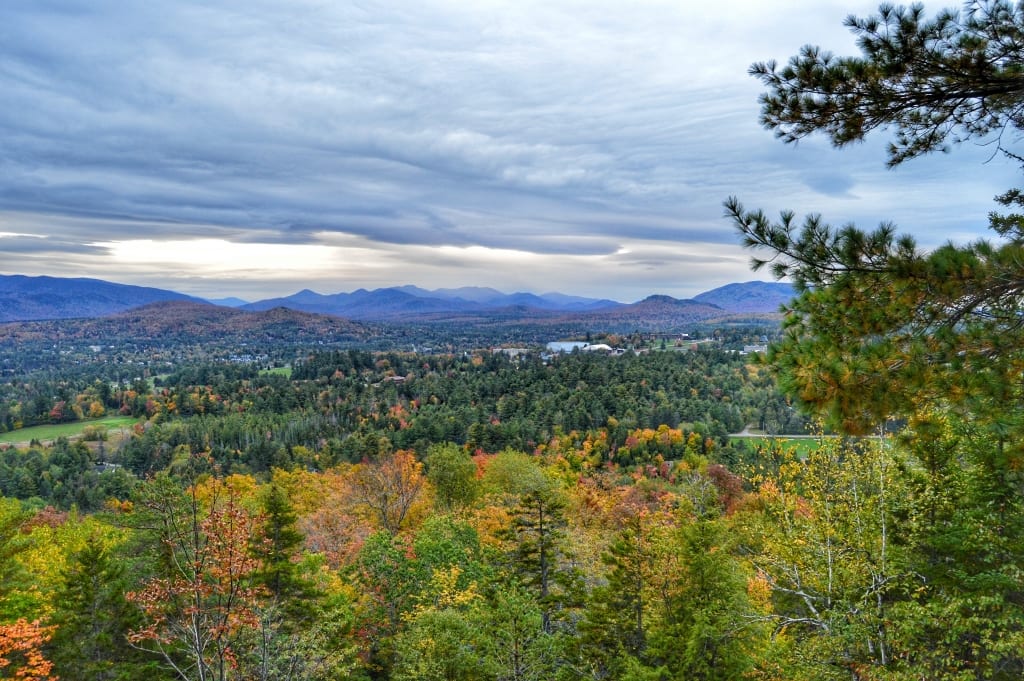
258 147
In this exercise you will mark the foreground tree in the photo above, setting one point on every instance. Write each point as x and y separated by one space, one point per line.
206 595
822 535
882 328
947 79
538 551
14 578
94 618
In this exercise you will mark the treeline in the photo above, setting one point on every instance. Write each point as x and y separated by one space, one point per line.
349 406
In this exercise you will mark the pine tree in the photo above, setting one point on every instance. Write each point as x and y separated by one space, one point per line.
539 555
93 619
881 328
277 545
955 77
619 614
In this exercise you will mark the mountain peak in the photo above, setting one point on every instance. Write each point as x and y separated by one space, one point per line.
749 296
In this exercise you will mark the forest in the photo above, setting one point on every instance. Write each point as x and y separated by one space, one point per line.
476 515
402 516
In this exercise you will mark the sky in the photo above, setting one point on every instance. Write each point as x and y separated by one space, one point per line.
254 149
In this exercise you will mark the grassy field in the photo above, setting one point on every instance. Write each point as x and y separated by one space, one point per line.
281 371
802 445
52 432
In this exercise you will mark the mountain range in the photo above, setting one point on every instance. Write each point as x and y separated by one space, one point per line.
400 302
25 298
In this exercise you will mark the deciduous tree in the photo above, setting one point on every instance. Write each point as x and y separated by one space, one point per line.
389 488
452 472
206 596
21 652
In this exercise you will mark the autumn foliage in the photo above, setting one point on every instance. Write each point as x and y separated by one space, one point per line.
207 596
21 645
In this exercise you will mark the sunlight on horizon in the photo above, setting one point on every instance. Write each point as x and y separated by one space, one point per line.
224 256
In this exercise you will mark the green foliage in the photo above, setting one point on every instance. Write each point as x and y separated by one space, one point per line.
704 631
616 625
13 542
955 77
277 545
515 474
94 618
427 581
829 550
453 474
881 561
441 645
514 643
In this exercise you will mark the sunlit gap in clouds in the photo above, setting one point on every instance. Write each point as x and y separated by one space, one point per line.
221 256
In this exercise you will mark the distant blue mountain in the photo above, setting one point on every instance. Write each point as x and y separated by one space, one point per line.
359 304
35 298
579 304
749 297
402 301
228 302
494 298
472 294
32 298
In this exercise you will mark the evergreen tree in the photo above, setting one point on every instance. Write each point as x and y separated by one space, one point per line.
881 327
538 553
951 78
277 545
703 629
615 628
883 330
13 542
94 618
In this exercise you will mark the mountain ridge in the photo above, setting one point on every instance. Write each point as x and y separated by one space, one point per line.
198 320
24 298
27 298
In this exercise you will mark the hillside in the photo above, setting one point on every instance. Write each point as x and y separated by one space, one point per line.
654 313
749 297
195 321
30 298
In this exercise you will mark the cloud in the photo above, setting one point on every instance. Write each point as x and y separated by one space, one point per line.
830 183
16 245
555 129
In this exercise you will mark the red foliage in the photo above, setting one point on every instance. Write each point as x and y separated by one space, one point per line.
210 595
48 516
729 485
481 460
